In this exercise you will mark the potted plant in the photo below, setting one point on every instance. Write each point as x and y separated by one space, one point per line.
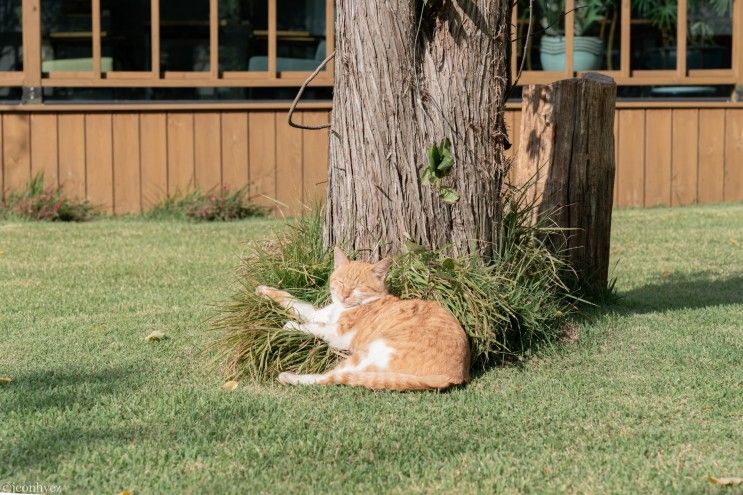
587 50
706 19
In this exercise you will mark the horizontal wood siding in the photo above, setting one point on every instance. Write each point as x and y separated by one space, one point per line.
127 161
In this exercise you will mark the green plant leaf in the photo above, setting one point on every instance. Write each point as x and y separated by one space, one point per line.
445 164
426 176
434 156
448 195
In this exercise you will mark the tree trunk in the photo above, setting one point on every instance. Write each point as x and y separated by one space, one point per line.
407 75
566 157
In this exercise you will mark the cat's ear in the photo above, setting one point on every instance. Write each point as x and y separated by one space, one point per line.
381 268
339 258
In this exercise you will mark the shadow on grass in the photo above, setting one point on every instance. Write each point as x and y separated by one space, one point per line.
45 446
683 291
65 388
32 394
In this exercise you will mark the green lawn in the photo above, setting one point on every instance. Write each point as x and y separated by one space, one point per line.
649 400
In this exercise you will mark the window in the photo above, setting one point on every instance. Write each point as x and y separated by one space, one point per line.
637 42
243 35
126 37
66 36
11 55
184 35
208 44
221 49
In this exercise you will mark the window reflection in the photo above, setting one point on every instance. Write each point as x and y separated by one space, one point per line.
184 35
66 36
596 35
709 34
653 34
243 35
11 55
125 34
300 33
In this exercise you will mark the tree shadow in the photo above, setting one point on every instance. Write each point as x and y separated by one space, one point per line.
683 291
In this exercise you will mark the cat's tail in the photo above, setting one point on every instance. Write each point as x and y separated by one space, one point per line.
388 381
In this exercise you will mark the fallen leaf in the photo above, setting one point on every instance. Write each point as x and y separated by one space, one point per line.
569 333
707 408
666 275
2 252
725 481
4 380
155 336
126 492
230 385
733 242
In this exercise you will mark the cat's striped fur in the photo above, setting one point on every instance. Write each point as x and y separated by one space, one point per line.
394 344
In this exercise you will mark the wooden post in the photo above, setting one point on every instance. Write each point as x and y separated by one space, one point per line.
566 157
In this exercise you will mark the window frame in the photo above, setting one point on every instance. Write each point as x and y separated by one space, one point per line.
625 75
32 76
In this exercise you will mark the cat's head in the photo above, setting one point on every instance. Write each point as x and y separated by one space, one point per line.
354 282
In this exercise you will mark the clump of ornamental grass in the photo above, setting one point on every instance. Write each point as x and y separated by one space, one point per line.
507 306
46 203
223 204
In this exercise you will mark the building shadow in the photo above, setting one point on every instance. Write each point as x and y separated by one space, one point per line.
683 291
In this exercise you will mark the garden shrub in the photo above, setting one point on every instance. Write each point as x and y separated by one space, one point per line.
220 205
46 203
507 306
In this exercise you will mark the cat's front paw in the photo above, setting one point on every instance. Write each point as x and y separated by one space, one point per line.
263 290
271 293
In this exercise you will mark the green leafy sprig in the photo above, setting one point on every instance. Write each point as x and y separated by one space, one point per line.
439 165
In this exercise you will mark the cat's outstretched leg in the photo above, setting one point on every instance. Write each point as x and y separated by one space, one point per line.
324 331
305 311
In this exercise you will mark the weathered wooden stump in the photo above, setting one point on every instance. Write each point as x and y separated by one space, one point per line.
566 156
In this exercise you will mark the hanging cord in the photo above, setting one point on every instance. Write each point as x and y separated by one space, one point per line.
299 95
527 46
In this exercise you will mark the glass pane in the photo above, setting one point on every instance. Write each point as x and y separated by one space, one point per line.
709 34
184 35
66 35
11 54
125 35
300 32
243 35
597 35
547 50
653 34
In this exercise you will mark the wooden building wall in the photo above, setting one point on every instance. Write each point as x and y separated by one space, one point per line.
126 161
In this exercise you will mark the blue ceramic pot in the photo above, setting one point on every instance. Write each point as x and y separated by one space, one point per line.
587 51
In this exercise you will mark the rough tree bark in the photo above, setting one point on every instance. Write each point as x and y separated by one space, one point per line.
409 73
566 158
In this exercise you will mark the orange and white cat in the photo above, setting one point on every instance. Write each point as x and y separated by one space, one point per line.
394 344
